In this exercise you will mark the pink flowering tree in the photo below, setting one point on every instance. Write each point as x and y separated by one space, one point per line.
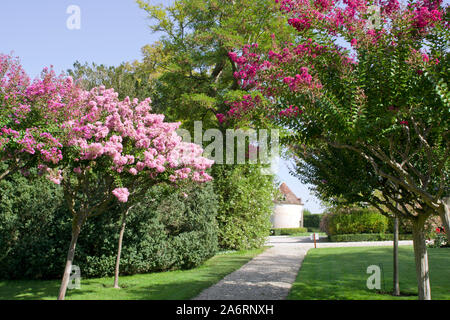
29 115
113 151
370 77
99 149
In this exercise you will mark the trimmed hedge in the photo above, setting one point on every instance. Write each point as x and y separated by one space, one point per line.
312 221
167 231
354 221
287 231
367 237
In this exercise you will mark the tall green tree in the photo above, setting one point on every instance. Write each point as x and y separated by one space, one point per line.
196 38
196 80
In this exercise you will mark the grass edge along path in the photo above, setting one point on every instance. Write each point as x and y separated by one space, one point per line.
341 274
170 285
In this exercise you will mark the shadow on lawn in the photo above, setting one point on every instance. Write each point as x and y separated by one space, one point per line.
342 274
176 285
38 290
28 289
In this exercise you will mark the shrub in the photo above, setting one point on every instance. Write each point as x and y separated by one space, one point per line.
167 231
367 237
286 231
245 205
312 221
356 220
33 225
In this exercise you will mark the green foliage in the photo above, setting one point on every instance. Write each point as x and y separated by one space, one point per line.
127 79
196 36
34 228
355 221
245 205
166 231
286 231
368 237
311 220
405 226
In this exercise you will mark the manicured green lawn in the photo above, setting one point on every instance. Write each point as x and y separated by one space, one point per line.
172 285
340 274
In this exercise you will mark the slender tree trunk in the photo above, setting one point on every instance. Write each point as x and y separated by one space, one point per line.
421 258
445 216
396 270
4 174
119 250
76 229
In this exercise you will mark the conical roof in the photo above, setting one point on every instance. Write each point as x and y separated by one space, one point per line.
289 197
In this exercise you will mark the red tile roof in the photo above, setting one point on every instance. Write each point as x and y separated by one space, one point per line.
289 196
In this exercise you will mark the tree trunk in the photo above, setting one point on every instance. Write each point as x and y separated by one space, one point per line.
119 250
445 216
4 174
76 229
421 258
396 270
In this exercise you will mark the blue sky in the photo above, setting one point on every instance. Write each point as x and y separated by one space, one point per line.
111 32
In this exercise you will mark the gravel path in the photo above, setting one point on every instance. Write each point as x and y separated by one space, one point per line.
270 275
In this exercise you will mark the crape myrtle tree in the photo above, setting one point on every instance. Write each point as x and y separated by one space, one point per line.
342 177
116 148
370 77
98 148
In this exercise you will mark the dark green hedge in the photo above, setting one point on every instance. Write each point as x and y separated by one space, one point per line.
312 221
167 231
287 231
367 237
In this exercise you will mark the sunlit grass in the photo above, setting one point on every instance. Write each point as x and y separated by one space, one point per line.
341 274
171 285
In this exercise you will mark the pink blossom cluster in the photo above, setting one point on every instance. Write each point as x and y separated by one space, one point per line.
390 7
241 107
350 18
248 71
302 23
53 174
54 119
220 117
291 111
134 140
301 68
121 194
29 109
271 76
253 66
31 141
13 81
299 80
424 17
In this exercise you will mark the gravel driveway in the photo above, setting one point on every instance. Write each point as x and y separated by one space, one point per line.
269 276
